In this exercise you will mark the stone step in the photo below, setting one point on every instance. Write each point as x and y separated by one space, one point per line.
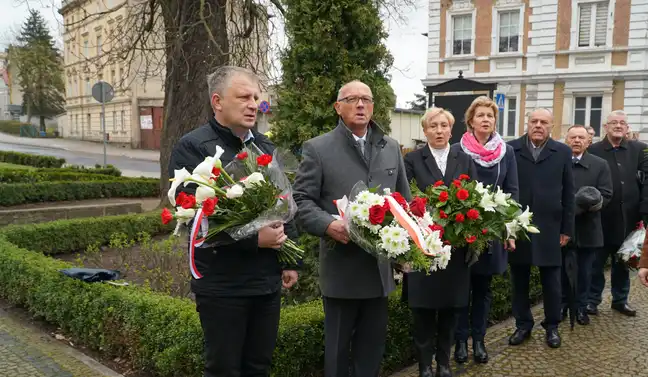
44 212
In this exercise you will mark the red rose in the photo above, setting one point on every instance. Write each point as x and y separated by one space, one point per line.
464 177
264 160
209 205
167 216
443 196
446 242
437 227
471 239
442 214
438 183
460 218
386 205
457 183
417 206
463 194
484 231
181 198
189 202
400 200
216 171
376 215
242 155
472 214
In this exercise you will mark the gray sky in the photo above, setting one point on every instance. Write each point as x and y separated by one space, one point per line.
405 41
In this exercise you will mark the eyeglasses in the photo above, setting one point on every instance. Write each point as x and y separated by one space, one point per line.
354 100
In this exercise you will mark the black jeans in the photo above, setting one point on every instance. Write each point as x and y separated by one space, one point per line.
620 276
355 329
551 296
433 333
585 259
240 334
473 319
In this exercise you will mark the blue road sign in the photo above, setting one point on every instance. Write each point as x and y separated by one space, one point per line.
264 106
499 100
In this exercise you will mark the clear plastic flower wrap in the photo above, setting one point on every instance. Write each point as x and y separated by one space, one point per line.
276 173
630 250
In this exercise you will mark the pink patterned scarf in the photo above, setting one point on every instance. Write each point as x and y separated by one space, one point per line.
485 155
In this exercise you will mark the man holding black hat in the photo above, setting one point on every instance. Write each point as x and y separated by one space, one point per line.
593 186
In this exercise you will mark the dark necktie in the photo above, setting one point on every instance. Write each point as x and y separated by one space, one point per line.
575 160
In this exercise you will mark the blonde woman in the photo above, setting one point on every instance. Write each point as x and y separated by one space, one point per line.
496 166
434 310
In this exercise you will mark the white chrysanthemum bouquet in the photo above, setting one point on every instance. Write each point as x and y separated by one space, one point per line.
386 226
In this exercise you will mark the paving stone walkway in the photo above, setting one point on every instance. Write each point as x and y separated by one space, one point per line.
612 345
27 352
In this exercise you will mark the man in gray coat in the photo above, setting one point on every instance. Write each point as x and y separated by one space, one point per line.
355 285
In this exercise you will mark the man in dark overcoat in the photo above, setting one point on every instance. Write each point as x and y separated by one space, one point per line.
628 165
354 284
592 175
547 187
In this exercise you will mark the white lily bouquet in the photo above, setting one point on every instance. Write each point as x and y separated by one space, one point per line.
384 225
630 250
249 193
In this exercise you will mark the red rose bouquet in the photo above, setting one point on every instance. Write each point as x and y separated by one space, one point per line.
469 214
248 194
383 224
630 250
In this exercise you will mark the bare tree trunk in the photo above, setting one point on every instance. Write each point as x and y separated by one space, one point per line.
197 44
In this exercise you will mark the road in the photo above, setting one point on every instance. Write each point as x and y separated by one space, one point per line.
130 167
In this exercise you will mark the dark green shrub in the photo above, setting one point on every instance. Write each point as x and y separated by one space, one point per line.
98 169
21 193
11 126
49 175
31 159
66 236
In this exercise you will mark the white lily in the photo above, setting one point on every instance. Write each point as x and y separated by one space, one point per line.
512 228
487 202
501 198
234 192
525 218
253 179
204 169
479 187
203 193
179 176
185 214
532 229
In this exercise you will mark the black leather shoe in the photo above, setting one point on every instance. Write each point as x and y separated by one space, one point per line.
624 309
553 338
591 309
443 371
461 352
519 336
425 371
479 352
582 318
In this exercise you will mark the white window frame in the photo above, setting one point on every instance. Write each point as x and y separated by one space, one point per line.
588 109
575 24
505 117
496 17
450 31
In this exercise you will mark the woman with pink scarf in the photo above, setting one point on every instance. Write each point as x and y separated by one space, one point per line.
496 166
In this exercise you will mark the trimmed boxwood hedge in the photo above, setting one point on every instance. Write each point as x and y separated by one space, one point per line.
31 159
156 332
21 193
49 175
98 169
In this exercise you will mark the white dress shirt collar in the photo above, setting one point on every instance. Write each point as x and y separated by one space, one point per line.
441 157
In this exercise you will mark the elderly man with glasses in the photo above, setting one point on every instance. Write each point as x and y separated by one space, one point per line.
629 204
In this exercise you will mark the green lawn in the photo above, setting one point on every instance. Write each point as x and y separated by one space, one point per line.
5 165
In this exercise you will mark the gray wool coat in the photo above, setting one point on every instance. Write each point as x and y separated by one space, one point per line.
332 164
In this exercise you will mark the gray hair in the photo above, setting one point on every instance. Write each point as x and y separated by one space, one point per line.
618 113
543 108
578 126
219 79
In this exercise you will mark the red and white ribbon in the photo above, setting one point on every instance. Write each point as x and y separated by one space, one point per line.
194 242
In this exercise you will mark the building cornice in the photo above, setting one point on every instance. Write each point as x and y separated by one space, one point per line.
548 77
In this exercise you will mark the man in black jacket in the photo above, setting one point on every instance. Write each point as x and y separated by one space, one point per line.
628 165
238 297
594 173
